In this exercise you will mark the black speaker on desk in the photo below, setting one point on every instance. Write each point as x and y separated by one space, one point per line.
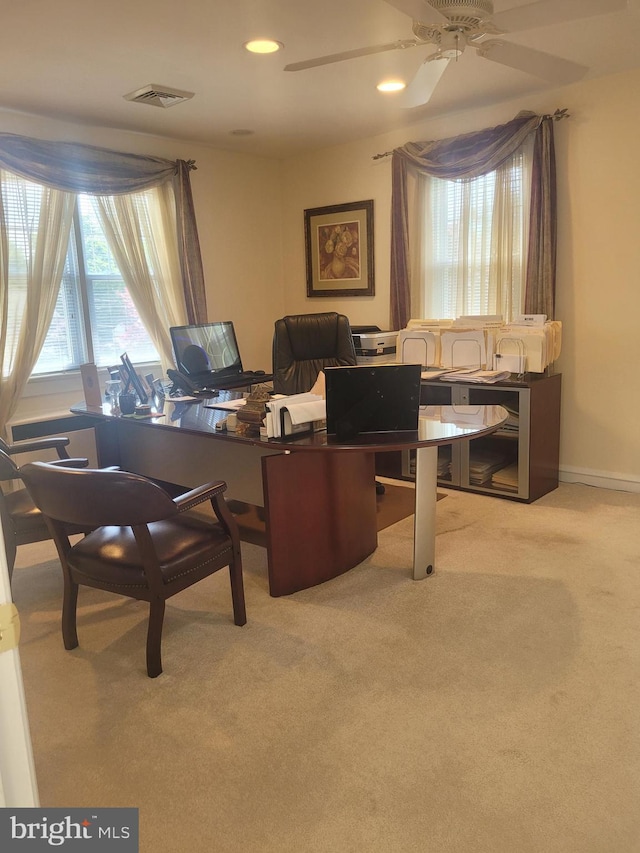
372 399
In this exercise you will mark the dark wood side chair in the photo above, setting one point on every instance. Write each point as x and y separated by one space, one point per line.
22 521
144 545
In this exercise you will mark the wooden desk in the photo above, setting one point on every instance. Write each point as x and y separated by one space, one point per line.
318 494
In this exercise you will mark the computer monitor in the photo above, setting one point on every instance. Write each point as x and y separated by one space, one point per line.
372 399
206 348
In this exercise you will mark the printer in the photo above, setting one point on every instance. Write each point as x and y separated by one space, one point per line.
374 346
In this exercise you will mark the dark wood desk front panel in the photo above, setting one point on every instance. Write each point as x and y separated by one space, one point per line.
319 495
320 508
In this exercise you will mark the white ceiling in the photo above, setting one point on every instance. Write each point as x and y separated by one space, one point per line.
74 60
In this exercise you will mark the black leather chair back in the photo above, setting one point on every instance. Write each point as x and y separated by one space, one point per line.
304 344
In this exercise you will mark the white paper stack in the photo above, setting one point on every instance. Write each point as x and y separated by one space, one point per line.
478 377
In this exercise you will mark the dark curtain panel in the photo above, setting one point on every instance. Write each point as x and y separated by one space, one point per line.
189 246
540 286
469 156
400 278
77 168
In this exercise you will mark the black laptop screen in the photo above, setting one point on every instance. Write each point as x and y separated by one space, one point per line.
206 347
364 399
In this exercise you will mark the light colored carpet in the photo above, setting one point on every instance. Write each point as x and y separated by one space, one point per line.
491 708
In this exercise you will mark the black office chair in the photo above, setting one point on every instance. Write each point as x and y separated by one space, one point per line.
304 344
22 521
144 543
195 360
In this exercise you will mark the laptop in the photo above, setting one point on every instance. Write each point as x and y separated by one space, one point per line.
366 399
208 354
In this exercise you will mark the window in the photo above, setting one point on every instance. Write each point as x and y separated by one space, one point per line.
474 242
94 318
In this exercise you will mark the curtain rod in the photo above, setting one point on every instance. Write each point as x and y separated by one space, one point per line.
559 114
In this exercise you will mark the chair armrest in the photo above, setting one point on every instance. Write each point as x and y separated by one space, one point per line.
78 462
199 495
57 442
214 493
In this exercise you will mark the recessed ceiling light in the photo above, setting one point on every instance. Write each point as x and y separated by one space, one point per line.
263 46
391 86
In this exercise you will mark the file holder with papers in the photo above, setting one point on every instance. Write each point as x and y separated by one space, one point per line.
505 358
418 346
289 429
295 415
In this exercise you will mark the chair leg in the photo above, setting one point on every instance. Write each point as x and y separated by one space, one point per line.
237 591
11 559
154 637
69 608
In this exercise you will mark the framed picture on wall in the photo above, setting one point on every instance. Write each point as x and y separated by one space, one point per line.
339 249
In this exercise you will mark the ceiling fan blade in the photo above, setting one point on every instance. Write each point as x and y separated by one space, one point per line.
545 13
350 54
419 10
535 62
423 85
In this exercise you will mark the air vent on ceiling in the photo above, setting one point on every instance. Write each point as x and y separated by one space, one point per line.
158 96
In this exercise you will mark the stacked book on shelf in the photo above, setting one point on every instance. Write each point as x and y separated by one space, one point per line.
506 478
444 464
483 464
512 423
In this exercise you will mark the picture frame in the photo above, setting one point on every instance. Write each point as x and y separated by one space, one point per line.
339 249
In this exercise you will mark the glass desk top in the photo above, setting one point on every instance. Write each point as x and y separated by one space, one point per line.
436 425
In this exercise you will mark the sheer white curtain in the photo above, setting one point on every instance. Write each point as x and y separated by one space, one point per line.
33 248
140 229
472 253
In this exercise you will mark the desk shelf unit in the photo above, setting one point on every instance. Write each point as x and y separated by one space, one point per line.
519 461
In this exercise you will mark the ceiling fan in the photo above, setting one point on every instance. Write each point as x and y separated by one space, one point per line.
453 25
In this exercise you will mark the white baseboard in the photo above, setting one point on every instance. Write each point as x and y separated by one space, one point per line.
600 479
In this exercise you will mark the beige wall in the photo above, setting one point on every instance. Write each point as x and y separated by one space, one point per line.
598 295
250 215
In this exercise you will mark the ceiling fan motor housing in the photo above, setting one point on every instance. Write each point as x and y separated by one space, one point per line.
461 11
469 21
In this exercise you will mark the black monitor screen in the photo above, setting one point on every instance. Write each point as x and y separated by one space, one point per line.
364 399
206 347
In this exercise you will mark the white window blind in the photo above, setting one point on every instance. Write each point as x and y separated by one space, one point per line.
474 242
94 318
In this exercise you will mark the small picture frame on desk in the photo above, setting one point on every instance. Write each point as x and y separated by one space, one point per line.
339 249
